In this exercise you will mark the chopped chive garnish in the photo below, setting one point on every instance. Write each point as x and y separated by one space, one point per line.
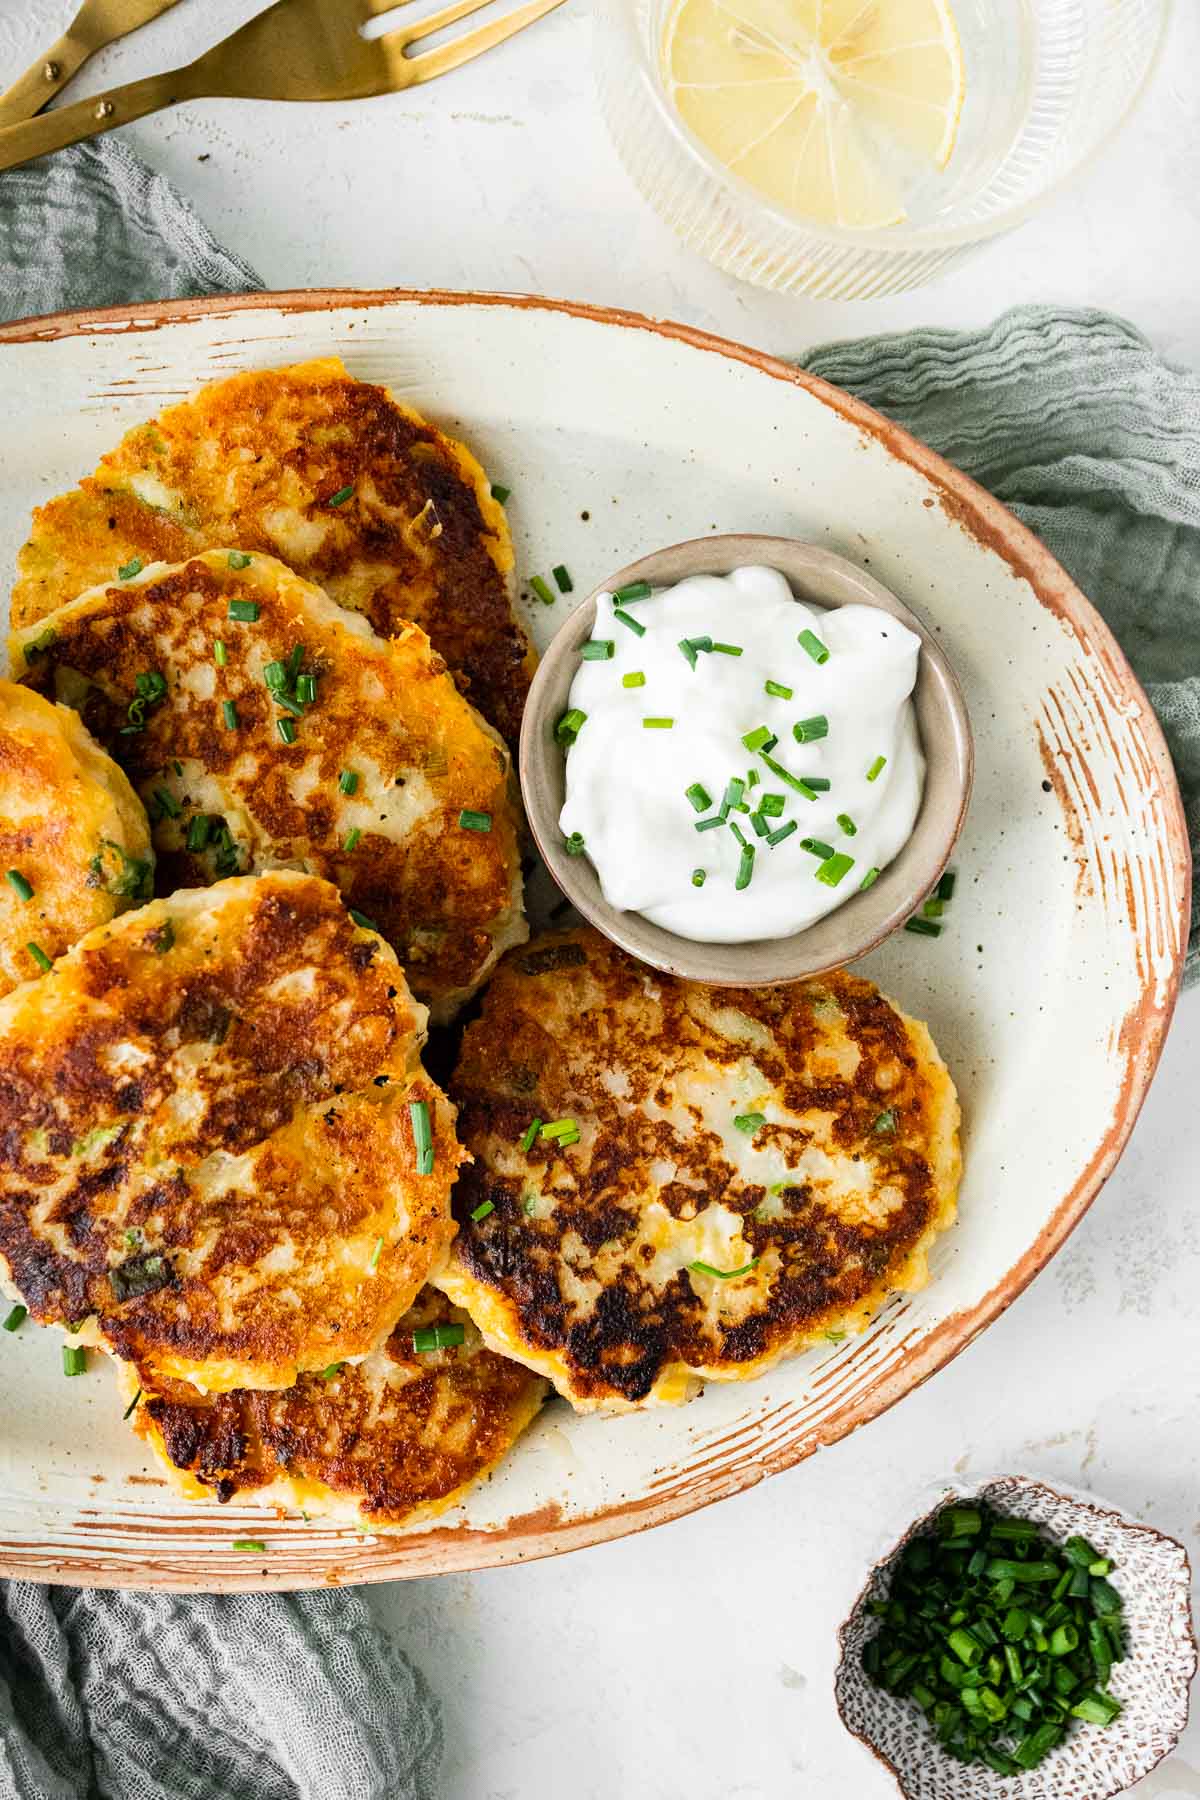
530 1138
807 731
40 958
16 1318
933 908
295 658
793 781
483 1209
745 868
198 831
784 831
348 781
635 678
758 739
306 689
699 796
569 726
327 1374
886 1122
712 824
598 650
834 868
341 497
657 724
750 1122
809 641
500 494
238 559
254 1544
689 650
437 1337
288 705
74 1359
575 844
164 938
633 590
422 1136
752 778
351 839
558 1128
220 653
876 769
846 824
229 713
817 847
945 887
733 795
727 649
362 920
542 590
923 927
168 806
703 1268
24 891
376 1253
128 570
474 821
738 833
565 584
772 805
244 611
777 690
132 1407
276 677
699 877
759 825
286 730
701 643
528 1205
869 879
628 619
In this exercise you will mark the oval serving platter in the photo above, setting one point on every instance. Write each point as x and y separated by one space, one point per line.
1049 992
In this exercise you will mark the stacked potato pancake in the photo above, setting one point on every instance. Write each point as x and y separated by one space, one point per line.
672 1182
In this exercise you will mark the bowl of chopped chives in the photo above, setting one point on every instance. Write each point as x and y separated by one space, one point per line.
747 762
1023 1642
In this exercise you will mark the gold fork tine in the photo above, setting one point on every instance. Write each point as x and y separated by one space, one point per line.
404 35
432 63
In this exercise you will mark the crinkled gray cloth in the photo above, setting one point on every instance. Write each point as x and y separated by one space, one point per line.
109 1696
1070 418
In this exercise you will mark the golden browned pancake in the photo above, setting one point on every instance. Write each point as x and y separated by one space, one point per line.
387 769
74 842
209 1157
349 487
754 1169
387 1441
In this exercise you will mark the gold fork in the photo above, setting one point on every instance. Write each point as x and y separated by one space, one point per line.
295 50
97 23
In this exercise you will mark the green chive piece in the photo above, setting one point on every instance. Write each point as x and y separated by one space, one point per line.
689 651
565 584
793 781
869 879
1097 1709
745 868
923 927
40 958
777 690
288 705
542 590
752 778
529 1205
932 909
759 825
220 653
699 877
132 1407
633 590
474 821
483 1209
341 497
362 920
699 796
24 891
530 1138
164 938
807 731
286 730
500 494
168 805
727 649
348 781
710 824
846 824
635 678
738 833
758 738
128 570
74 1359
628 619
238 559
598 650
351 839
198 832
306 689
817 847
16 1318
749 1122
422 1136
809 641
437 1337
575 845
876 769
559 1128
253 1544
569 726
732 796
885 1124
834 868
276 677
244 611
657 724
703 1268
784 831
701 643
945 887
229 713
772 805
327 1374
818 783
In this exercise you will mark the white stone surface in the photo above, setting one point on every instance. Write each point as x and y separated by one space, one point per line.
697 1660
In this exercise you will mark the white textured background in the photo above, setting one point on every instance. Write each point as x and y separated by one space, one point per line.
697 1660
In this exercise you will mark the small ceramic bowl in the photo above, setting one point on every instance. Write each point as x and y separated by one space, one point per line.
822 579
1093 1763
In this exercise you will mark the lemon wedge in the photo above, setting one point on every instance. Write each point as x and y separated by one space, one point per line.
825 106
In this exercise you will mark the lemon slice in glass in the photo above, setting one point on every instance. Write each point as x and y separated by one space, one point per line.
828 107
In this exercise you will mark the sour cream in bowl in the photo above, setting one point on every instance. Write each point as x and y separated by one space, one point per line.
745 760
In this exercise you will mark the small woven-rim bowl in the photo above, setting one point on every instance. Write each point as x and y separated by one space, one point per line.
819 577
1093 1763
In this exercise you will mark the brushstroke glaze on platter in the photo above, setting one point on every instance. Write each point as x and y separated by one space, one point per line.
1049 993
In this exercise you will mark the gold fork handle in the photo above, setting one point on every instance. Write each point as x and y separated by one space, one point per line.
88 118
43 79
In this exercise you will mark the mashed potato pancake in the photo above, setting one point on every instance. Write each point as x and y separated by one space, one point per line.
335 477
266 727
212 1114
673 1181
384 1442
74 841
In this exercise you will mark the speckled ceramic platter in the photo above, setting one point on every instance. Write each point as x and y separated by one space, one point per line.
1049 992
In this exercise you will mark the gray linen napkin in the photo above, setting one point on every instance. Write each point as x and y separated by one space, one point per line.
109 1696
